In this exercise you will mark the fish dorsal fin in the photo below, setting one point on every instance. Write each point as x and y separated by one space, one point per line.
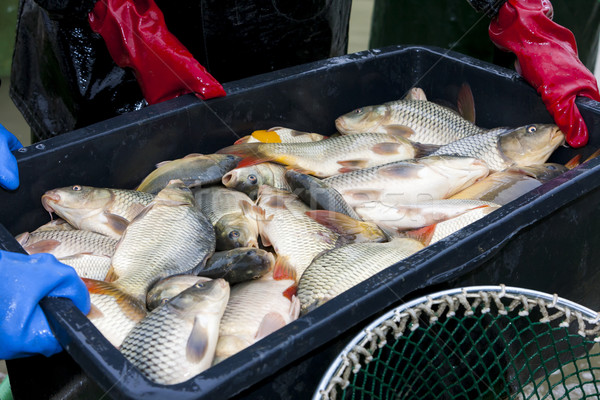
269 324
466 103
415 93
163 163
193 155
243 139
197 343
116 223
23 238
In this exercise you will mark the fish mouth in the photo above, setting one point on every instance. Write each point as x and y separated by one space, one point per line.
228 177
48 198
340 124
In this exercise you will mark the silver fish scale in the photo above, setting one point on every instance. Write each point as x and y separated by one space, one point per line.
88 265
166 241
297 236
357 179
125 199
483 147
342 268
334 147
157 345
452 225
431 122
217 202
114 324
76 241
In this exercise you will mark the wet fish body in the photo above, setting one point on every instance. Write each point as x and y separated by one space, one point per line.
342 268
426 121
332 156
505 186
411 181
171 236
114 313
88 265
401 217
65 243
255 310
434 233
101 210
280 134
293 235
193 170
502 149
177 340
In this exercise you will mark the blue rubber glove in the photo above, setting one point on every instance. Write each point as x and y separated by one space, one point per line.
9 174
24 281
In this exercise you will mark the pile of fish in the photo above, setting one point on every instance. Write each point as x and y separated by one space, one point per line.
213 252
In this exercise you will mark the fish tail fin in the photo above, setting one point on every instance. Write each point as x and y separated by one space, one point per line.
573 162
111 275
423 235
283 269
594 155
466 103
131 306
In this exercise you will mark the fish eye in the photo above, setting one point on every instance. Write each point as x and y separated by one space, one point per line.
199 285
76 188
551 167
358 111
234 234
164 301
531 129
252 179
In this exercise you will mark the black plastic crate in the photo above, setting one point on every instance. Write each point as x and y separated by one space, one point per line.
546 240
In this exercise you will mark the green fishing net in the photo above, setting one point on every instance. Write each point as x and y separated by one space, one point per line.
488 342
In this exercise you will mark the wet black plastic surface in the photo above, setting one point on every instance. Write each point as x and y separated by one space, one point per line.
545 240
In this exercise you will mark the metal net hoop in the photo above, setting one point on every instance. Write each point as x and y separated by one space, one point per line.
515 337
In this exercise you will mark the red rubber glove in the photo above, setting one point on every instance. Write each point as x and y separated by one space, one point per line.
137 37
547 57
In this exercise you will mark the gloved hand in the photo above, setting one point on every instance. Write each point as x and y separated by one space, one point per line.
547 59
137 37
9 174
24 281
